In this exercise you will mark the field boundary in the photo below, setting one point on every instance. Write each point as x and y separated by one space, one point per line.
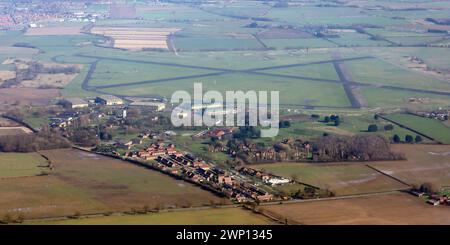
409 128
388 175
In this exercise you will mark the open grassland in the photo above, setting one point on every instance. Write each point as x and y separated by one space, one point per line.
375 71
303 43
14 130
215 216
328 16
388 209
88 183
292 91
21 164
110 72
350 39
427 126
425 163
386 98
341 178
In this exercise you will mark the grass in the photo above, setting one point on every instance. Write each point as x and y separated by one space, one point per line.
196 147
357 39
386 98
89 183
375 210
217 216
298 43
425 163
292 91
343 179
21 164
207 43
322 71
110 72
430 127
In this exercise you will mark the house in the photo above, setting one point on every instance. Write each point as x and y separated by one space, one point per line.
276 181
222 179
109 100
75 103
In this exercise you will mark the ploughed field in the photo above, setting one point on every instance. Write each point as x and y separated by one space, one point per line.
82 182
387 209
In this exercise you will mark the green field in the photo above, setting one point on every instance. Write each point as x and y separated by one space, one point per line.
208 44
375 71
21 164
119 72
357 39
323 71
430 127
298 43
215 216
88 183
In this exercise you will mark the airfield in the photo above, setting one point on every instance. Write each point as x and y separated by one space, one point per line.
383 60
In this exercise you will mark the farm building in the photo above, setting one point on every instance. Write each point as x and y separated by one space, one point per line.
75 103
109 100
156 106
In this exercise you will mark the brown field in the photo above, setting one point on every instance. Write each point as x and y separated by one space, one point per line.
425 163
88 183
26 96
398 208
54 31
283 33
136 38
341 178
14 131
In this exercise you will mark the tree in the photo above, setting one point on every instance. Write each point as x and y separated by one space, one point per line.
427 188
396 139
409 139
337 121
372 128
418 139
388 127
326 119
376 117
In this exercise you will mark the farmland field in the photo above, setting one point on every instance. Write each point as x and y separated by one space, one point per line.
401 208
88 183
343 179
21 164
430 127
219 216
54 31
378 72
425 163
